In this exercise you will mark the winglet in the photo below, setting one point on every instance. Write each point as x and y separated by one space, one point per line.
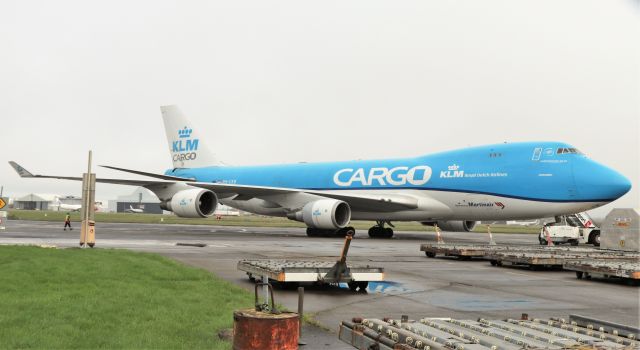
20 170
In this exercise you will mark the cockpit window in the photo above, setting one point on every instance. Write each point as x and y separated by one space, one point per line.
568 150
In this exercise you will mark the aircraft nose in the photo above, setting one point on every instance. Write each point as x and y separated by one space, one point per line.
599 182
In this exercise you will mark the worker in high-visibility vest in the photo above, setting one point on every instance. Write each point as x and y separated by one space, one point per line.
67 222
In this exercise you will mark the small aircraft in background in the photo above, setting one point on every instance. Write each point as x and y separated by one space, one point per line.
133 210
67 207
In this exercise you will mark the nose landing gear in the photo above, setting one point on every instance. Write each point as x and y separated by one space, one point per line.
379 231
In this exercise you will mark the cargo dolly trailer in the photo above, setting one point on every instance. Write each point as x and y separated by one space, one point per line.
285 271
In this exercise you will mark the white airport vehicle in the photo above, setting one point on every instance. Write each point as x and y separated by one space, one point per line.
571 229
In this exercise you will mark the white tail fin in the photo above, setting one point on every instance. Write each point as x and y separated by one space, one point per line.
186 147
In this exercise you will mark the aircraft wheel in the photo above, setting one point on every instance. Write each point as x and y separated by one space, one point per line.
343 232
353 286
579 274
380 232
594 238
312 232
430 254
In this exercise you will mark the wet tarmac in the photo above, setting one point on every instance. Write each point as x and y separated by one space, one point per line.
415 285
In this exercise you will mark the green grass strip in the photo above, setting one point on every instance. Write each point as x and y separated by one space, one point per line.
99 298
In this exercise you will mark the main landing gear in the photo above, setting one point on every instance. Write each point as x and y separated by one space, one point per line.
379 231
318 232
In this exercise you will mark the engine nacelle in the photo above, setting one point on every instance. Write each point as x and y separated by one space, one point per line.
194 203
324 214
454 226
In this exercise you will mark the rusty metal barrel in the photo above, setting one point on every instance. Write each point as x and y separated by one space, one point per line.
264 327
254 329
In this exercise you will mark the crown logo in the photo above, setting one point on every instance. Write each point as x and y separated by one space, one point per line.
453 167
184 133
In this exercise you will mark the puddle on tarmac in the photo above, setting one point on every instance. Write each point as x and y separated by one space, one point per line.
386 287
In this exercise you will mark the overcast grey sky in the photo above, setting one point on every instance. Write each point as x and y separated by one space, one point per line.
286 81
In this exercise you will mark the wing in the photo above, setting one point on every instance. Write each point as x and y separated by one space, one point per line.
26 174
365 202
387 202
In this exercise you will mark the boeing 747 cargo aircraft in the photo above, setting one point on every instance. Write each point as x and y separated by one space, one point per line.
454 189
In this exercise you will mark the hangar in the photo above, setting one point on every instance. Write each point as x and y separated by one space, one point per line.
36 201
140 198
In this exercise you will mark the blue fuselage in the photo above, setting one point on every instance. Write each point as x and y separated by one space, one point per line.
533 171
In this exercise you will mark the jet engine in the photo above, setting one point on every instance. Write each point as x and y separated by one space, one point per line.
327 214
454 226
193 203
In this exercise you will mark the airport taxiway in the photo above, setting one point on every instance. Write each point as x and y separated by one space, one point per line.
415 285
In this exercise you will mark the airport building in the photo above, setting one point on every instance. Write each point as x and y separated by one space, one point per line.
36 201
140 199
44 201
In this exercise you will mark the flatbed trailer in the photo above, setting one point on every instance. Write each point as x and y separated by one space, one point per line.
476 334
532 255
315 271
462 251
551 258
625 269
283 271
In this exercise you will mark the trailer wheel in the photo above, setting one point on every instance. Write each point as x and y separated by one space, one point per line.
362 286
430 254
579 274
358 286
